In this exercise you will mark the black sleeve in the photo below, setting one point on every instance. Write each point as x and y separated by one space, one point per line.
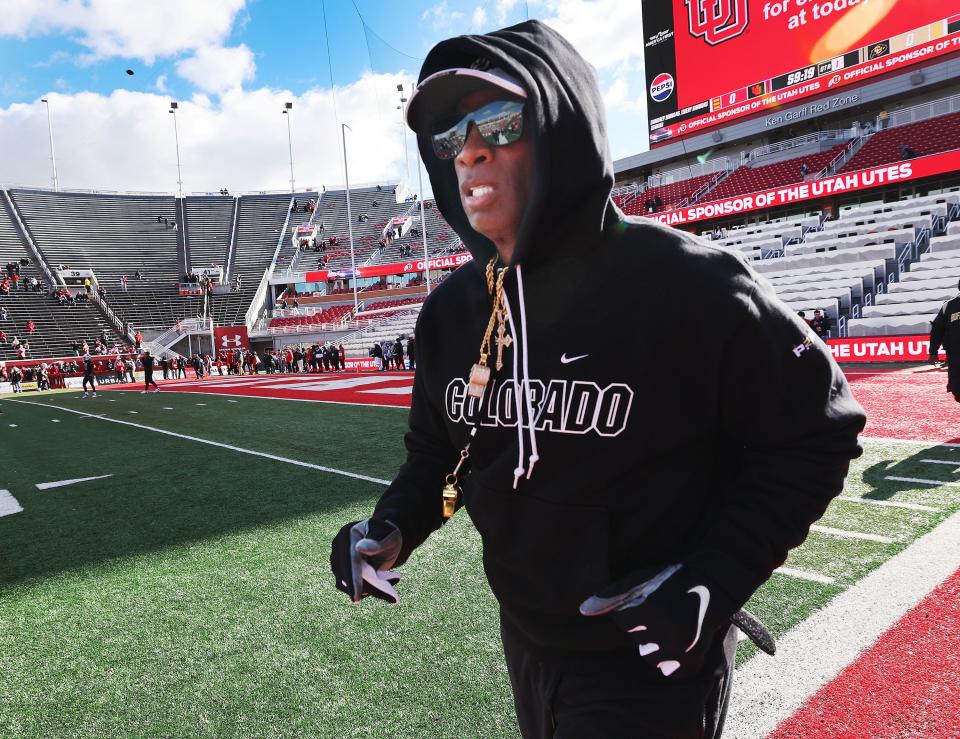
937 329
789 408
413 501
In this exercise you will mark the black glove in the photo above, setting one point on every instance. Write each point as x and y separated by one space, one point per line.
361 556
672 614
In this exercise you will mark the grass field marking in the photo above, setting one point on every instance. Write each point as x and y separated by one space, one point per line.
54 420
889 504
303 400
909 442
921 481
211 442
802 575
815 651
844 534
8 504
64 483
12 425
952 463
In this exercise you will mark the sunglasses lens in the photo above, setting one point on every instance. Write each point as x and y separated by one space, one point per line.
499 123
502 123
449 143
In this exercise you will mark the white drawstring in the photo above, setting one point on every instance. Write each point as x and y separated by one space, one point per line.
519 470
528 389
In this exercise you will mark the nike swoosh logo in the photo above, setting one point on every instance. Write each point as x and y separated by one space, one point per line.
704 596
564 359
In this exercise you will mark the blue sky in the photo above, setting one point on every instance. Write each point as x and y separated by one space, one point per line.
231 64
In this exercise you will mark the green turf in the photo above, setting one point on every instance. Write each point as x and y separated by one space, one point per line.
190 595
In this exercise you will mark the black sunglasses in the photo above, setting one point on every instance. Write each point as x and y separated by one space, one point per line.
499 123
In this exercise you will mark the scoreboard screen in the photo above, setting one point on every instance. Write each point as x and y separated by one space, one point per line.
709 62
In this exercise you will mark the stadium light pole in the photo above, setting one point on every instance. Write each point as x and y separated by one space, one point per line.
423 216
53 156
287 107
403 125
176 140
346 174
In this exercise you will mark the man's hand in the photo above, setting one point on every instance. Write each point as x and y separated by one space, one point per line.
361 556
672 614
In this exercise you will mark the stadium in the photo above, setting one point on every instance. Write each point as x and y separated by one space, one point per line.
164 557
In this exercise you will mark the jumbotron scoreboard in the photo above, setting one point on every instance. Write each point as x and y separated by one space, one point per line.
709 62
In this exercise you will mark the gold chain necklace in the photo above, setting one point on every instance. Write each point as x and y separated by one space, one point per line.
480 372
480 376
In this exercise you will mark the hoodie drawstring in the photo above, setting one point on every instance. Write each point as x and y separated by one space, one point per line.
522 385
534 455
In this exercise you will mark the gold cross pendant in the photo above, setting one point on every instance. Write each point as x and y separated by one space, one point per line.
504 340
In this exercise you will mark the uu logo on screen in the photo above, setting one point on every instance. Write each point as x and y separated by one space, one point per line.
717 20
662 87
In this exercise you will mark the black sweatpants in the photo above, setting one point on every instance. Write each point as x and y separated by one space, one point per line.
89 379
608 697
148 380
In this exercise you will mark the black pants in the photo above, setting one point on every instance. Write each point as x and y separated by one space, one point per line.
89 379
608 698
148 380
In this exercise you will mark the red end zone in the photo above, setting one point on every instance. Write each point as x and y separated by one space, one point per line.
386 388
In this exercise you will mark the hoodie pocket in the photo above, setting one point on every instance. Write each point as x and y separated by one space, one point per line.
538 555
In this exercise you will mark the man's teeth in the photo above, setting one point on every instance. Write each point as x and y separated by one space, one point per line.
478 191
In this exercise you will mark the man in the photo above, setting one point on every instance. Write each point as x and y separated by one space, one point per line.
411 346
820 324
398 354
88 376
628 508
147 361
945 332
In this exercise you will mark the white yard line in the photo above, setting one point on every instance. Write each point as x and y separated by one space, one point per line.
210 442
951 463
844 534
64 483
889 503
908 442
923 481
8 504
770 689
802 575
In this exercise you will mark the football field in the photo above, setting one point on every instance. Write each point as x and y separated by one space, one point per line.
164 565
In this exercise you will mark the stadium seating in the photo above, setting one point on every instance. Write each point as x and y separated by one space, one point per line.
207 226
748 179
926 137
672 194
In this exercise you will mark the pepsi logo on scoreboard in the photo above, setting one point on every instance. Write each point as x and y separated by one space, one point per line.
662 87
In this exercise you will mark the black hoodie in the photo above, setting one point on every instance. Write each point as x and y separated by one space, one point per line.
714 438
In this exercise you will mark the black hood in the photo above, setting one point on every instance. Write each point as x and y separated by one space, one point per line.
571 203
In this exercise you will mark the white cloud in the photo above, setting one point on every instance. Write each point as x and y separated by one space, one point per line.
161 83
479 20
218 68
124 141
440 17
609 35
504 8
125 28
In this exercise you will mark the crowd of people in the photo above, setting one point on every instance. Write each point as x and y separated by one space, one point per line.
390 355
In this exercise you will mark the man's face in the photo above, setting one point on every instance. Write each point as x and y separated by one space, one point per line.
495 182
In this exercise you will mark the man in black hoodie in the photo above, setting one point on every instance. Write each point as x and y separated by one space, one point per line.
628 506
945 332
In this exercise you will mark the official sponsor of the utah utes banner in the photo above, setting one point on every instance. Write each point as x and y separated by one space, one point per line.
228 338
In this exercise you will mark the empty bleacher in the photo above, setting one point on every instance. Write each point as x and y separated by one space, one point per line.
208 224
114 235
925 137
748 179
